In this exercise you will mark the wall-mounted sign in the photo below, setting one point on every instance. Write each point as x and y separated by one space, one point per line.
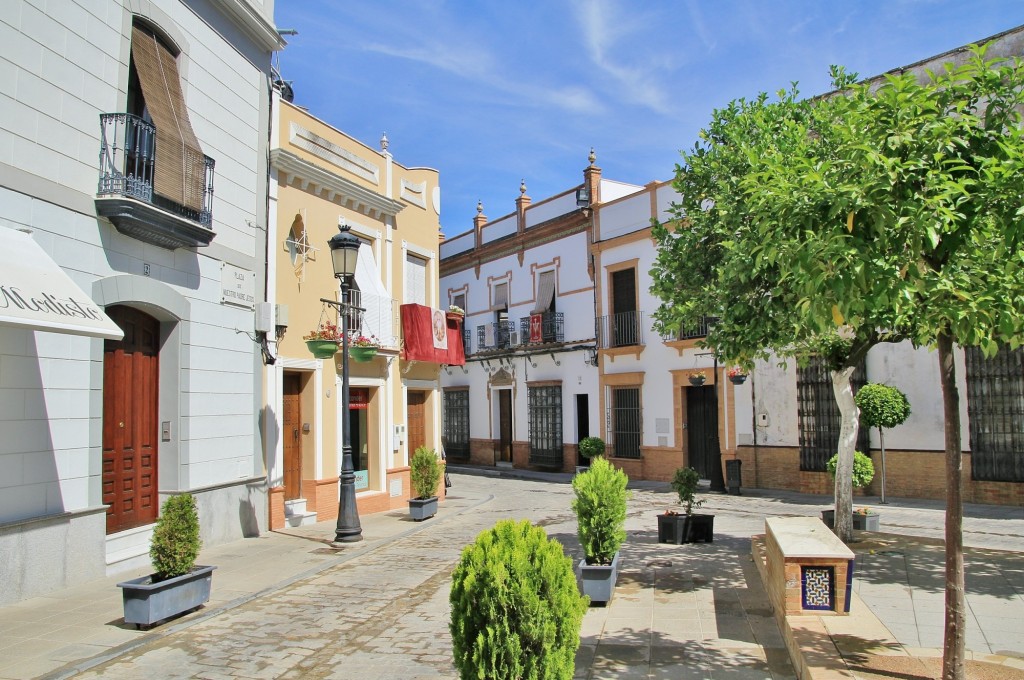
362 480
237 286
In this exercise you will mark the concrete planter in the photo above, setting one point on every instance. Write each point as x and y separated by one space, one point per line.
681 529
861 522
422 508
146 602
598 581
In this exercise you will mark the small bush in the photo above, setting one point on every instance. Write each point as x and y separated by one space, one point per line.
425 472
516 610
882 405
591 447
600 507
175 544
685 484
863 469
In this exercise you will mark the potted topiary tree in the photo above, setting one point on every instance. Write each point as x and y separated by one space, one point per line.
590 448
177 584
687 527
529 625
425 472
600 507
863 472
882 406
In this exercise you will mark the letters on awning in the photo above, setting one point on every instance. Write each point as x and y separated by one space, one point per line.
418 335
35 293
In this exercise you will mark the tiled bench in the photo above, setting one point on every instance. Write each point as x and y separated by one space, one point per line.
808 570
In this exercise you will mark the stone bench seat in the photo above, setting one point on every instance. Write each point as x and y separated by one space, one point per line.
808 570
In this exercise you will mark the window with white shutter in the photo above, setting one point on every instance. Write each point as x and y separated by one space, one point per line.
415 280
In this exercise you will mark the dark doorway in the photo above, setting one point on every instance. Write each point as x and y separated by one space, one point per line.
625 329
505 426
702 426
582 424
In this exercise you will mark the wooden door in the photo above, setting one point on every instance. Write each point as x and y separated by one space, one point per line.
625 329
702 426
416 421
292 407
505 426
130 428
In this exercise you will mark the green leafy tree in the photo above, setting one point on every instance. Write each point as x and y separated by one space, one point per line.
892 205
591 447
175 544
882 406
600 507
516 610
424 472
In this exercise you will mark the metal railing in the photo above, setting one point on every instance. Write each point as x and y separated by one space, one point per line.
624 329
502 335
552 326
128 167
376 319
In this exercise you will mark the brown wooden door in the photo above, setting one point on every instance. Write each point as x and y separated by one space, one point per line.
505 425
292 417
416 421
702 429
130 429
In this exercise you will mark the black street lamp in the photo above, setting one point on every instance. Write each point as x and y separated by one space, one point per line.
344 251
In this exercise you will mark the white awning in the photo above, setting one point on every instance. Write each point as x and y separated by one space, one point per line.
545 293
35 293
374 298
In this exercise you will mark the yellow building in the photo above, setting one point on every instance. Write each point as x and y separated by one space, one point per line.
322 178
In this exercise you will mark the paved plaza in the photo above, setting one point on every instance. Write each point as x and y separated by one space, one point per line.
290 605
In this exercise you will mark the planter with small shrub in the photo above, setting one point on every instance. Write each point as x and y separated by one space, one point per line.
177 584
863 472
516 611
600 507
425 473
687 527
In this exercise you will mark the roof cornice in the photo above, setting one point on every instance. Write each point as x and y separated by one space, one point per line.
253 23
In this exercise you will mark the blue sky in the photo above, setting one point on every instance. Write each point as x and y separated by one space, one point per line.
491 92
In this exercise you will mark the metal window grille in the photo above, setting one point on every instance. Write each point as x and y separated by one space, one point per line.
502 335
552 326
456 425
995 412
819 415
545 405
624 329
466 338
625 421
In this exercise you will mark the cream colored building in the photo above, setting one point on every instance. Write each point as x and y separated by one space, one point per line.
320 178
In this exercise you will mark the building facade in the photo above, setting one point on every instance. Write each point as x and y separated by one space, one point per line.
118 118
323 178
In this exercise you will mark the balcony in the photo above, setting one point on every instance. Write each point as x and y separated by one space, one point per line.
376 319
550 328
126 193
496 336
624 329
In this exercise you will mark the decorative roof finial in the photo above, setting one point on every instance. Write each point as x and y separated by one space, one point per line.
592 157
522 186
383 141
479 207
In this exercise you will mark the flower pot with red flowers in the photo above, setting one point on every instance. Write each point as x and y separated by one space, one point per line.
323 341
737 375
363 347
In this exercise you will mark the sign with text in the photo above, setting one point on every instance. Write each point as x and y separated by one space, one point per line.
362 479
237 286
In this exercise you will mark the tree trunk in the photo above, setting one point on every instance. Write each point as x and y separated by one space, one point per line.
955 638
850 417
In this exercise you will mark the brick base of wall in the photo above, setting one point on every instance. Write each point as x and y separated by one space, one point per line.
276 504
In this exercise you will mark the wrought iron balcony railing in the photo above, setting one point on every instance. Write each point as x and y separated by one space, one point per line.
700 331
551 328
466 337
624 329
496 335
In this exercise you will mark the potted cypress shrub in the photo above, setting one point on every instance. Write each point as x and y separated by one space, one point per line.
864 519
515 609
177 584
589 448
600 507
687 527
425 473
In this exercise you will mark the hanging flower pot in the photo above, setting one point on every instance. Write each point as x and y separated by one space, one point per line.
737 376
697 379
322 349
362 354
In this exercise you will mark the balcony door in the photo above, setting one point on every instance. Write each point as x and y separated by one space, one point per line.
623 299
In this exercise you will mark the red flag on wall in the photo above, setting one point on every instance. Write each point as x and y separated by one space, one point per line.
420 342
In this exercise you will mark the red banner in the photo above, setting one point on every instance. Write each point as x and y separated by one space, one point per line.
536 328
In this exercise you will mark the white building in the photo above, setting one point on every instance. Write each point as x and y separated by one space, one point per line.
118 117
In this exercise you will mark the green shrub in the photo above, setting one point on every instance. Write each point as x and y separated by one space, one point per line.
175 544
863 469
882 405
425 472
685 483
516 610
591 447
600 507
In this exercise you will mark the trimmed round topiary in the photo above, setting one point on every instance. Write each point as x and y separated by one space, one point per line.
863 469
425 472
516 610
175 543
600 507
882 405
591 447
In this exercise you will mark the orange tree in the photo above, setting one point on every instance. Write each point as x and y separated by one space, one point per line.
888 209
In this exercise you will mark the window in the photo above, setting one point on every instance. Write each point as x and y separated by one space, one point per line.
819 416
456 424
995 411
459 301
415 280
545 293
625 404
545 405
